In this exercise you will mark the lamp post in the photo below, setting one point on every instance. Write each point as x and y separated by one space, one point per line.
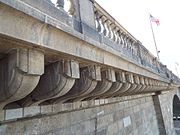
176 64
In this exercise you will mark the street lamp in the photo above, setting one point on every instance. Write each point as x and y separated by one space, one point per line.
176 64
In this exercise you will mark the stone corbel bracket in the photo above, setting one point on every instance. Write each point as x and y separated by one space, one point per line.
130 80
148 88
139 85
89 76
108 77
125 84
58 79
20 71
142 82
116 86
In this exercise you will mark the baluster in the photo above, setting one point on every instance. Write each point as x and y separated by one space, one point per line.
96 19
148 61
143 57
71 9
117 35
136 49
121 37
98 27
53 3
101 25
118 32
147 57
109 28
49 1
133 48
124 40
104 19
60 4
127 42
129 45
113 27
151 61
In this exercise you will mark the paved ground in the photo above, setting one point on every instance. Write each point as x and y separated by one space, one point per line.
177 126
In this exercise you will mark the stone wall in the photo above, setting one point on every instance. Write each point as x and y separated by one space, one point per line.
129 115
120 116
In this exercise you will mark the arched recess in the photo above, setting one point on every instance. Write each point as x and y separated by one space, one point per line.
176 114
176 107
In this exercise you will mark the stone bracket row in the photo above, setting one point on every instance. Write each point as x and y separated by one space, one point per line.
24 82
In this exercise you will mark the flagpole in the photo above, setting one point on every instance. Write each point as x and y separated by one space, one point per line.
154 38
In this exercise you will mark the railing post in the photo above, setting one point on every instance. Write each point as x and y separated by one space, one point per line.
139 51
60 3
87 19
87 16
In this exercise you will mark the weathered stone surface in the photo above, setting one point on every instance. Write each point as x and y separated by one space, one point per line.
57 80
115 86
20 71
130 80
2 115
83 86
107 119
108 77
125 84
86 7
13 114
46 109
90 36
31 111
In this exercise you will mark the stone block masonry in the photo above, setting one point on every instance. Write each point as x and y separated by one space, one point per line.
121 116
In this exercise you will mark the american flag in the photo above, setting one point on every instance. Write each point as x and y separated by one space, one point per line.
153 19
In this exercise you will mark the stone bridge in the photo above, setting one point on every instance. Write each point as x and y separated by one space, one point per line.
69 68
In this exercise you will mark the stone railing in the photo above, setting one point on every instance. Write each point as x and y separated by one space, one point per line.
107 26
60 4
110 29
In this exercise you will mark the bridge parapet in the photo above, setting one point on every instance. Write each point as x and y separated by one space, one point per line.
108 27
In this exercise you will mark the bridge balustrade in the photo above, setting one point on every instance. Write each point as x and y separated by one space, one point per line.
66 5
108 27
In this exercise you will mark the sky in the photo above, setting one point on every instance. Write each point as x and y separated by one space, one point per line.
134 16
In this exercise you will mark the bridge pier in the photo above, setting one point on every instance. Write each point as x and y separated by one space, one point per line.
159 115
